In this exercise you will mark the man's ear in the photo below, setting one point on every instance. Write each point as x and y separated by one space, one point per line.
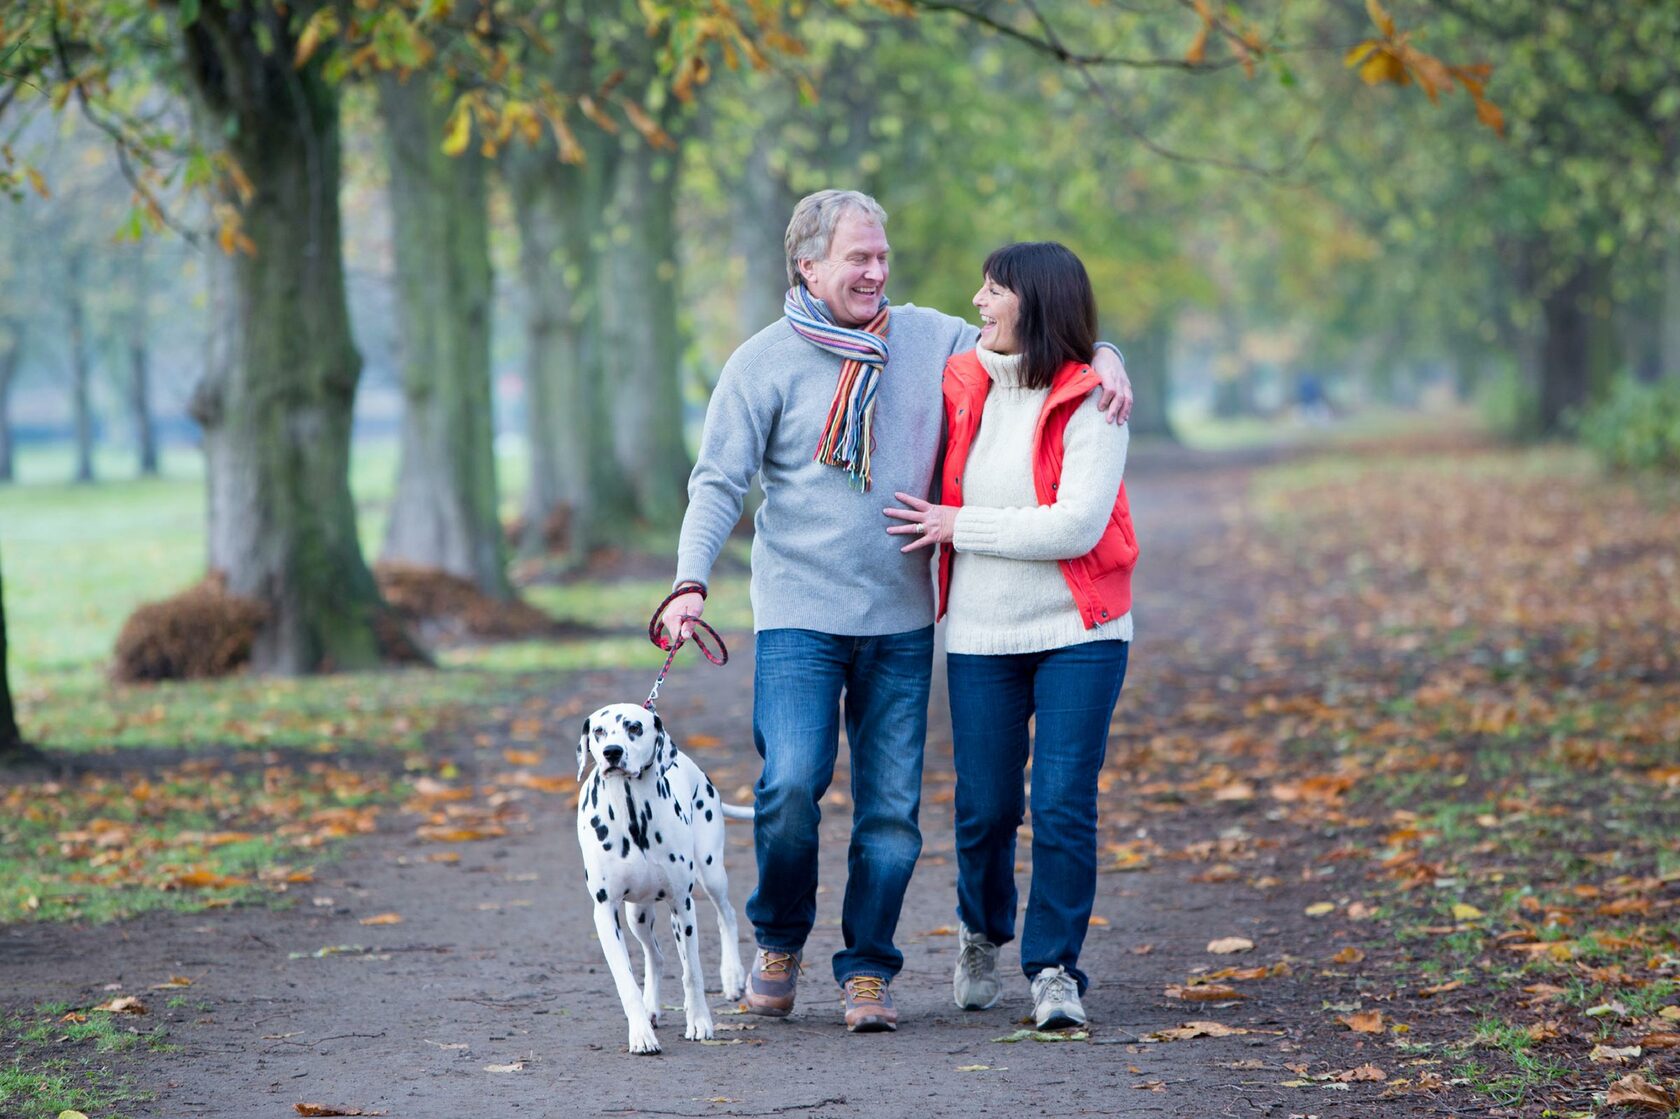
583 750
807 270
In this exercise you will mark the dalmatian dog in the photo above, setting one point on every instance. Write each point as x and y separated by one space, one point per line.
650 825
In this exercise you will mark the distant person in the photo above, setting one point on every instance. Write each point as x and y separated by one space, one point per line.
1035 573
834 403
1311 403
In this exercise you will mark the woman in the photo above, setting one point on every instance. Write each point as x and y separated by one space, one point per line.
1035 574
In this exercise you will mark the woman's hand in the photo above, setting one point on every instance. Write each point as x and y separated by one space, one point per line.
1115 401
930 524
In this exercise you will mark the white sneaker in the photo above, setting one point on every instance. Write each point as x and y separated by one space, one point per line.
1056 1000
975 984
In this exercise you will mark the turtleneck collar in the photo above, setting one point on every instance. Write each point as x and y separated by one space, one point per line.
1004 369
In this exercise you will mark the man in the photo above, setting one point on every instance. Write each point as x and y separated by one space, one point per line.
836 406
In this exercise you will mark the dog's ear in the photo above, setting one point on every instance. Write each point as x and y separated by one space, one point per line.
583 750
664 747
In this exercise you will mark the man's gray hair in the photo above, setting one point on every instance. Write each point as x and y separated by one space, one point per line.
811 229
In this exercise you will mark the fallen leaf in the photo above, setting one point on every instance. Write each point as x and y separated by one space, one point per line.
1320 908
1612 1009
1195 1029
974 1068
1613 1055
1363 1072
703 741
71 1115
1043 1035
1364 1022
383 919
444 857
1463 912
1226 945
1660 1041
128 1004
1348 955
522 757
942 930
1097 922
1151 1085
326 1109
444 833
514 1067
1203 992
172 983
1441 988
1635 1091
1672 1013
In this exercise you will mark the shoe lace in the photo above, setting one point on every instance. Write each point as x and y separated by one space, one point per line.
974 959
779 963
867 987
1058 985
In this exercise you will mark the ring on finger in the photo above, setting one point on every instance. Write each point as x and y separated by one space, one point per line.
921 527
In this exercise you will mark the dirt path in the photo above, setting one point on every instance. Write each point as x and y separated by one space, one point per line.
495 965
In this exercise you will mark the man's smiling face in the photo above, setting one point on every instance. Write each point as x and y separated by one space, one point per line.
854 276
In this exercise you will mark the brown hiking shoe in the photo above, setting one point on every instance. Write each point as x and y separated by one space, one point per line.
771 986
868 1004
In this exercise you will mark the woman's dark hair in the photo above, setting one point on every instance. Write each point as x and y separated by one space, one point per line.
1057 318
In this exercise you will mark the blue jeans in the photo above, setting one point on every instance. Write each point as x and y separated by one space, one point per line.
798 680
1072 692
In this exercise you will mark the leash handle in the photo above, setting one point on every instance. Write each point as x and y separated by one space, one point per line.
676 641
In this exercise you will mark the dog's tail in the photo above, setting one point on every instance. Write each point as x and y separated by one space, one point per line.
735 811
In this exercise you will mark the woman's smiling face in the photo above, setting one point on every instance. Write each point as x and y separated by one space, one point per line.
999 309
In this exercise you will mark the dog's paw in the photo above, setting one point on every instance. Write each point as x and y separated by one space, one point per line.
642 1039
699 1028
653 1015
733 985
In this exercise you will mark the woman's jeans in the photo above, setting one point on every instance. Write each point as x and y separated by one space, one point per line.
1072 692
798 680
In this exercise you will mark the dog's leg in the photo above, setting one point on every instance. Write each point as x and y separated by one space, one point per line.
609 929
640 918
731 978
695 1008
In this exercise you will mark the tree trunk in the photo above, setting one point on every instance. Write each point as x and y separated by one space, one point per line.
12 746
81 404
558 209
1669 322
276 397
140 378
9 363
643 335
762 203
1576 353
1148 358
444 514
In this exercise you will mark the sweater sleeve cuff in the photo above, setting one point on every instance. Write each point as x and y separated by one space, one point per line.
1116 349
977 529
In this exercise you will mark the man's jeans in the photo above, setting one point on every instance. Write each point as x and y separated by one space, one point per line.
797 683
1072 692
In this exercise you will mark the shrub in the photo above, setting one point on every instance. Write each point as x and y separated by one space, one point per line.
204 631
1635 427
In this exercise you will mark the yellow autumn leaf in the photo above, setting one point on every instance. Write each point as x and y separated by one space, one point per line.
1465 912
1226 945
1379 16
1363 1022
383 919
1320 908
457 131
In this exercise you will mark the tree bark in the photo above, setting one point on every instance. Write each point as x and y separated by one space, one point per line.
81 404
1576 353
9 363
444 514
643 334
1148 359
761 205
571 463
140 378
276 397
1669 321
12 746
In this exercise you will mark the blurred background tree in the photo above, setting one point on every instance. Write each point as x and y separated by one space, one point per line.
542 225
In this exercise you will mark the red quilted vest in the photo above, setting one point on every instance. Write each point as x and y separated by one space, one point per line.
1101 579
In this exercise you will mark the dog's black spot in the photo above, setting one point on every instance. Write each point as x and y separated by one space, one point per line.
688 930
688 903
625 852
673 856
711 792
601 894
659 839
610 815
660 896
657 725
708 813
607 846
600 830
708 860
638 821
641 916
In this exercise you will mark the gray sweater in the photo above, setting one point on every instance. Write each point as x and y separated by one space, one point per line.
821 556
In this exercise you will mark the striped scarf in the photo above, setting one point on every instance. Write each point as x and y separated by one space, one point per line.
848 435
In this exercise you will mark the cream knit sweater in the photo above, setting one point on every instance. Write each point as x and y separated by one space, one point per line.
1007 590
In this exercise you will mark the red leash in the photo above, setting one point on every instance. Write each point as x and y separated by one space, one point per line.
675 642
